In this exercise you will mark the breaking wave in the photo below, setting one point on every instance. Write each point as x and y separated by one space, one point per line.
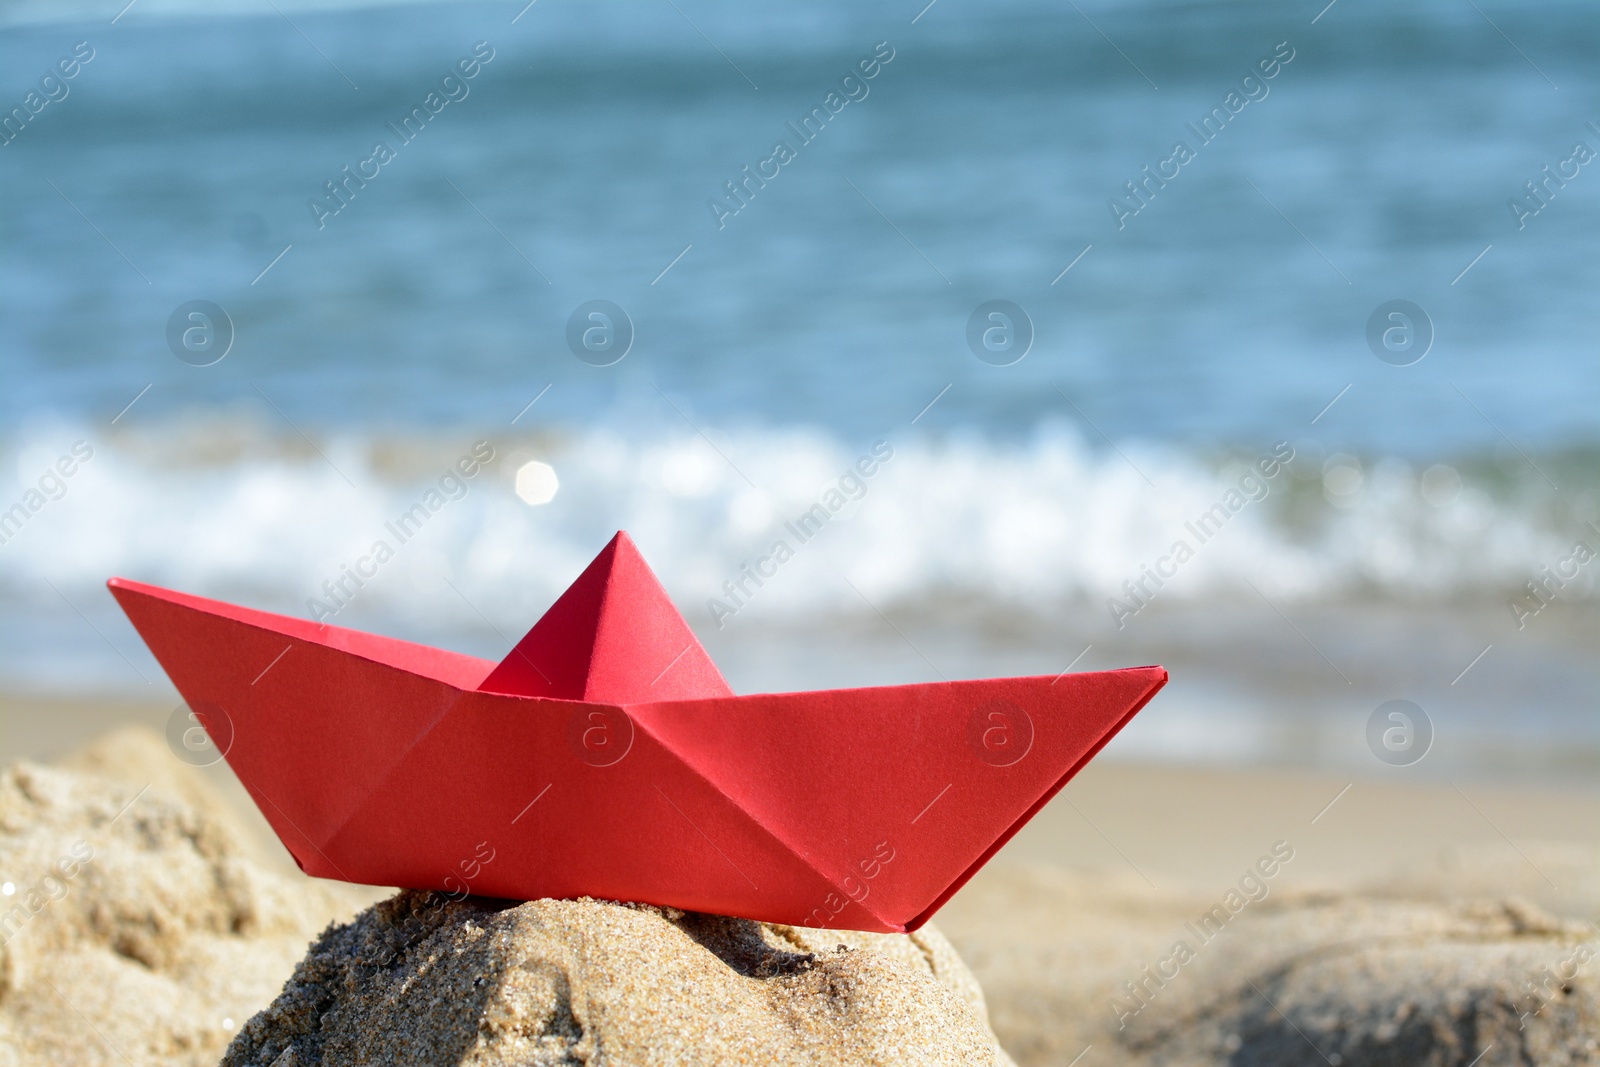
1033 525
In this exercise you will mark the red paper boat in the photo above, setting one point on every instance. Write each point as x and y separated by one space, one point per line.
606 757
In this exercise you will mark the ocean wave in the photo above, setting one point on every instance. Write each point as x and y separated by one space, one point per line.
432 531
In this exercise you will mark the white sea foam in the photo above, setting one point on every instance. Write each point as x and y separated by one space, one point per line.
1033 524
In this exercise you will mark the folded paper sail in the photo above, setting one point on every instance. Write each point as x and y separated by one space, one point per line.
605 756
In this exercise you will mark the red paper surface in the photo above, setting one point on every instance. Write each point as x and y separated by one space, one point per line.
606 757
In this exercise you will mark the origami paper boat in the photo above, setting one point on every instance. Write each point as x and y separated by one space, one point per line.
606 757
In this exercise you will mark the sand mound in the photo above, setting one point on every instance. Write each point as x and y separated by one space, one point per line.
1311 979
418 980
135 928
138 926
137 756
1387 984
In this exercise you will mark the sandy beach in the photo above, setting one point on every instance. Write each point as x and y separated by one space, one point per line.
1072 931
1130 860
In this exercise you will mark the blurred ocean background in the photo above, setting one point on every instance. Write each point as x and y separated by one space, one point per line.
1228 315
